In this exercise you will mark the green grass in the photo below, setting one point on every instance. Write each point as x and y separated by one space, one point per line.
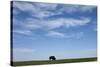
24 63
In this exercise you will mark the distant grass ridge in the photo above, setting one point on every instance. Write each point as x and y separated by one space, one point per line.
24 63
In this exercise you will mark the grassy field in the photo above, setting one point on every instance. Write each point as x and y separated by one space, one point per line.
54 62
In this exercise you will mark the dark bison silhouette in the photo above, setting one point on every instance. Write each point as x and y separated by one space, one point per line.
52 58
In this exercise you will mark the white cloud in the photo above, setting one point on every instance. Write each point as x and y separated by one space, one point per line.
55 34
56 23
77 8
47 6
52 24
23 32
39 10
43 10
72 22
29 25
44 14
24 6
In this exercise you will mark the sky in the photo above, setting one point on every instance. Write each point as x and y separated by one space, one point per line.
65 31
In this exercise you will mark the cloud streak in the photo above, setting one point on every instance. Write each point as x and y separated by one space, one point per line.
56 23
49 25
77 8
43 10
55 34
23 32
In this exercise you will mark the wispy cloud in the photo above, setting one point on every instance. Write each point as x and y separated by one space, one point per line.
49 25
39 10
23 32
23 6
76 8
43 10
56 23
55 34
67 22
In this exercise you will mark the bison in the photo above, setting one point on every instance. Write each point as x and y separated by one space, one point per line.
52 58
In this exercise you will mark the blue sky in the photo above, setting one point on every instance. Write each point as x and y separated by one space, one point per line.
44 29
